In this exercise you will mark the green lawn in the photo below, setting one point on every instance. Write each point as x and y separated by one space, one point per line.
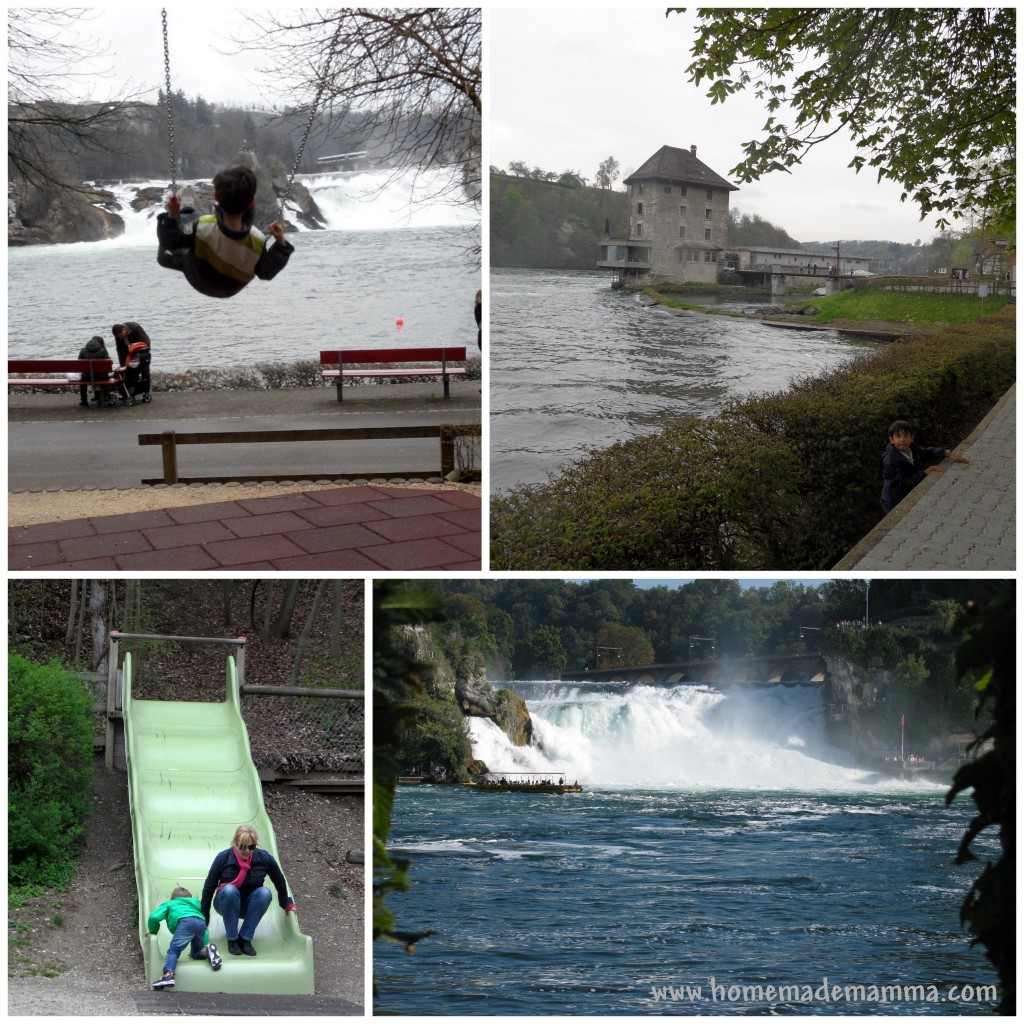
924 309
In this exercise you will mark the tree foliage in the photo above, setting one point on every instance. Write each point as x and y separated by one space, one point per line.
415 73
927 94
397 677
49 765
987 653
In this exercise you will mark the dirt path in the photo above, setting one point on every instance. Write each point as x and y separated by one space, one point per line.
77 953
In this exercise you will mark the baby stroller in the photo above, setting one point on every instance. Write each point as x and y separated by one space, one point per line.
134 375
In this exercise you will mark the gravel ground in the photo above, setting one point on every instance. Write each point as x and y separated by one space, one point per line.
77 953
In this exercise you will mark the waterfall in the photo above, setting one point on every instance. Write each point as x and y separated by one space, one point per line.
681 736
365 201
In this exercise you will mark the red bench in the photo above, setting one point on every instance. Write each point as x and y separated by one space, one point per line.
342 363
61 367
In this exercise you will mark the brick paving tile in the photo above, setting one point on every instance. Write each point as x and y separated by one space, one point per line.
109 544
431 553
32 556
348 495
206 513
349 559
188 559
50 531
86 563
471 543
278 503
339 515
420 505
414 527
336 538
468 519
185 535
125 521
461 499
263 525
251 549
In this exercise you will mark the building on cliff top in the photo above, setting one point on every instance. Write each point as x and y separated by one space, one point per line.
678 222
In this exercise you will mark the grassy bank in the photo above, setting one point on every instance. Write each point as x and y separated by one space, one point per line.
786 480
918 309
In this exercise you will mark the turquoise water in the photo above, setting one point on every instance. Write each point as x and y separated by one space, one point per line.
625 901
721 835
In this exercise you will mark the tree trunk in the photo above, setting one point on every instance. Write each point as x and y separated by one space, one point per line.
81 625
227 586
268 609
98 627
336 596
128 617
283 622
72 614
307 631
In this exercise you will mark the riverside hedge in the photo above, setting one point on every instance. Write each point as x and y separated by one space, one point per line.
785 480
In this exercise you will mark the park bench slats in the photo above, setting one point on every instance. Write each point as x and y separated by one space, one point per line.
338 364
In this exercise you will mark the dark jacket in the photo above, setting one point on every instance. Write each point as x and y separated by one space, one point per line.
203 268
225 869
900 476
94 349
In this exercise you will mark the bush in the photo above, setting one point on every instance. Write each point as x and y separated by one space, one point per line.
49 764
788 480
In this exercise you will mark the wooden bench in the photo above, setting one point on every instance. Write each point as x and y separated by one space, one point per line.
341 363
60 367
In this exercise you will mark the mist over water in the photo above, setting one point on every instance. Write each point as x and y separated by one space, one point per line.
683 736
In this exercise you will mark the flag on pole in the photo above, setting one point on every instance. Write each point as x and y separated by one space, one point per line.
902 721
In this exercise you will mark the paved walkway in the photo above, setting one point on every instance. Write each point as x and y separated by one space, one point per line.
363 528
962 519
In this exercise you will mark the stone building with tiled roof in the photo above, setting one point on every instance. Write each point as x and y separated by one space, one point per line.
678 222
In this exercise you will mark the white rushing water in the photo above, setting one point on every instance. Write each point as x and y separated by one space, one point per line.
368 201
676 737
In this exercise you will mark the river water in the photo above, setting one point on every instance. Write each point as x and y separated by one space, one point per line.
719 844
575 365
385 256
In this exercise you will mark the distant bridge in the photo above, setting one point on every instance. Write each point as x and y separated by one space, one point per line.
762 670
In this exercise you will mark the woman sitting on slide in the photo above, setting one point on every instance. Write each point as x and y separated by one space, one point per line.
235 887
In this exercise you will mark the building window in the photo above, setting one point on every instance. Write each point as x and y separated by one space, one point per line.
639 230
668 190
682 191
641 187
711 194
639 209
711 256
682 230
707 234
707 214
682 211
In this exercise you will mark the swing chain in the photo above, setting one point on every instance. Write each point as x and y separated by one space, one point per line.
312 114
170 114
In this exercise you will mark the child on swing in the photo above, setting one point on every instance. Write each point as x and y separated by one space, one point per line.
221 253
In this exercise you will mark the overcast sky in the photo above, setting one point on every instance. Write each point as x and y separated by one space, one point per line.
567 88
128 42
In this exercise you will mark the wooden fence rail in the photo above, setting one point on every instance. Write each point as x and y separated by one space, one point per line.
169 441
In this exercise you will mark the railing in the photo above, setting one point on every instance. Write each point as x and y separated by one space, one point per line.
169 441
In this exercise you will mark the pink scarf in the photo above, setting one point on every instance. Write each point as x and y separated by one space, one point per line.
243 865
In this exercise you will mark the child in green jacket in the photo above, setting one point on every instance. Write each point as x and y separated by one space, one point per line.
186 923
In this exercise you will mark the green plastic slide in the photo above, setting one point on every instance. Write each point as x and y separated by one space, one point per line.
191 783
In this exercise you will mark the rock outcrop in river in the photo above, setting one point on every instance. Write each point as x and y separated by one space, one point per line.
93 213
